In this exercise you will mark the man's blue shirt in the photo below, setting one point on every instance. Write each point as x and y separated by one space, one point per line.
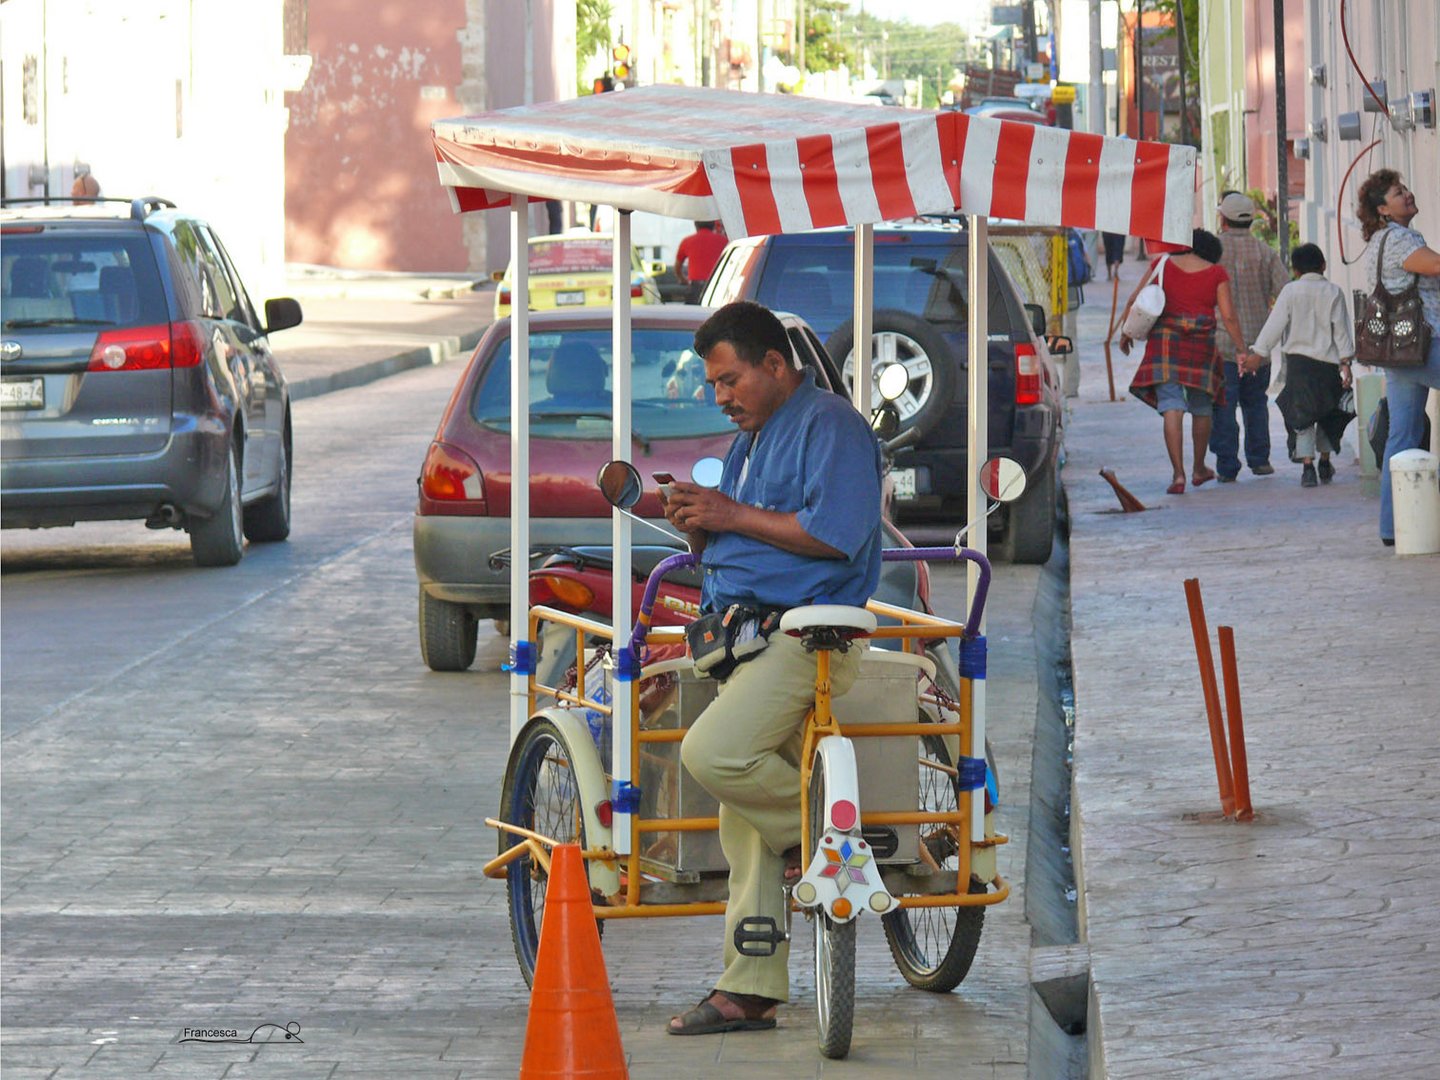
815 457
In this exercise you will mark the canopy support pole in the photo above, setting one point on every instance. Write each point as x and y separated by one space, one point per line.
621 616
520 665
977 450
860 387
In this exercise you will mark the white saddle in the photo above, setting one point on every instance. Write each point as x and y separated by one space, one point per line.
800 619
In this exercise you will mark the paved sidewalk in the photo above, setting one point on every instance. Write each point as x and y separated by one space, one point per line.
1301 943
360 327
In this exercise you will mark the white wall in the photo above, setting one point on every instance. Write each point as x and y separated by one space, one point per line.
177 98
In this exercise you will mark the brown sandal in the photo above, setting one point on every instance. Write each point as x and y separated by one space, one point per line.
757 1014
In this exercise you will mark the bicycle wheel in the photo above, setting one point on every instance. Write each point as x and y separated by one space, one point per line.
540 793
834 949
934 947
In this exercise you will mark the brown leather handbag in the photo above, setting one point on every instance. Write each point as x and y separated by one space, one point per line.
1391 330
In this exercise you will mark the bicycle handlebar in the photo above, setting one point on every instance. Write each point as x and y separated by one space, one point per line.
927 554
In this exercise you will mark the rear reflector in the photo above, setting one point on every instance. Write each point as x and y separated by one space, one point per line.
450 475
572 594
148 348
1027 374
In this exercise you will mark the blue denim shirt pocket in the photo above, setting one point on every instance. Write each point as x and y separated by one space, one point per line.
770 495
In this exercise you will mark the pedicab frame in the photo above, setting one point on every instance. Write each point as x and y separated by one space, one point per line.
767 163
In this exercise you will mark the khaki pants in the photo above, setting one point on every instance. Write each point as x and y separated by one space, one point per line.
744 749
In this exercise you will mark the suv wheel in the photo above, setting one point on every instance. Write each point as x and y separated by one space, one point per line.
1030 522
902 338
448 634
220 540
269 519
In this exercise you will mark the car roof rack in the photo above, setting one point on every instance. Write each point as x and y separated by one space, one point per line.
140 208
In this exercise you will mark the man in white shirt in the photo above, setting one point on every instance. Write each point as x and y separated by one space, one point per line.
1310 325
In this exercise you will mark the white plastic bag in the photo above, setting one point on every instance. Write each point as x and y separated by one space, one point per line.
1149 305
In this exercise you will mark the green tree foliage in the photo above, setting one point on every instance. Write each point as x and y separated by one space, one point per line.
592 33
826 47
1189 55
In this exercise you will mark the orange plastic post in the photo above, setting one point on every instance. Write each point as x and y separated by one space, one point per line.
1212 694
1239 764
572 1030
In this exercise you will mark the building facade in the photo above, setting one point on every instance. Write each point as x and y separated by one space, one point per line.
178 98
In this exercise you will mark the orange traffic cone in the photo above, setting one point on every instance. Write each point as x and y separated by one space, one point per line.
572 1030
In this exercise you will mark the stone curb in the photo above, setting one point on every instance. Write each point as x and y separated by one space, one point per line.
437 352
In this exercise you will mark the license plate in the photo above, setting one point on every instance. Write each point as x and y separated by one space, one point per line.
904 483
565 299
22 394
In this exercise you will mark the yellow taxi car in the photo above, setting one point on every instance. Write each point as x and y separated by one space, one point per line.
573 270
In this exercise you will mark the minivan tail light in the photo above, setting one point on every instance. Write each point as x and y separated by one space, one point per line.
148 348
450 476
1027 374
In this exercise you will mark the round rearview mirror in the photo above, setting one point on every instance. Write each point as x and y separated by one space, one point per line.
707 472
1003 479
619 483
893 380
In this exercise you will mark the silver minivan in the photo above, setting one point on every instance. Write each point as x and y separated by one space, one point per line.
136 378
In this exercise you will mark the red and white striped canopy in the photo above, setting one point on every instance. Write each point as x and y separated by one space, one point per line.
769 163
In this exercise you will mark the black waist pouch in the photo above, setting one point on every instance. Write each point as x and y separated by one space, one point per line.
723 640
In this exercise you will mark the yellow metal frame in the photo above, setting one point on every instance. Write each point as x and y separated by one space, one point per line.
914 628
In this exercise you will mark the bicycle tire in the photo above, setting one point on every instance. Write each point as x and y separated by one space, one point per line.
540 793
933 948
834 950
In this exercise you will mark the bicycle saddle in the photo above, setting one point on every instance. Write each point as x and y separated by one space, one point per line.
830 616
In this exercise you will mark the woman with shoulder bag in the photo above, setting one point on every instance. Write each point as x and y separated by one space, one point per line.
1386 207
1181 371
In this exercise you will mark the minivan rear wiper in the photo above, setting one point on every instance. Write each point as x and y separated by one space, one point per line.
27 324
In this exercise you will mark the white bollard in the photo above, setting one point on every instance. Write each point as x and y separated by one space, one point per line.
1415 485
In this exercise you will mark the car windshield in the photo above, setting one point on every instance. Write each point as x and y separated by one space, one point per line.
581 256
570 387
56 283
912 273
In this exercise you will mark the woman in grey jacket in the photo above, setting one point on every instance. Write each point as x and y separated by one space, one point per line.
1386 207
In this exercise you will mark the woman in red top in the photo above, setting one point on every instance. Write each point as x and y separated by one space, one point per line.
1182 371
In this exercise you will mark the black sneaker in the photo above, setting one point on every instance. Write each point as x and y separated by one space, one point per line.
1326 471
1263 470
1307 477
1226 479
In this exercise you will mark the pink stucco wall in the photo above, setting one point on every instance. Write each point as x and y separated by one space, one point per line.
1261 164
360 185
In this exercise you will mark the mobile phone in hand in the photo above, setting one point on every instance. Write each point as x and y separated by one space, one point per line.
664 479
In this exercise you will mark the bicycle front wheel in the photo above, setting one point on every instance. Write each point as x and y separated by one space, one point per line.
834 948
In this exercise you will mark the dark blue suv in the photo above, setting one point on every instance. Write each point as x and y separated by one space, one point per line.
921 320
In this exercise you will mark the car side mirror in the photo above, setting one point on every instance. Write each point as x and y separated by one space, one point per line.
497 276
1059 345
656 267
281 313
1037 319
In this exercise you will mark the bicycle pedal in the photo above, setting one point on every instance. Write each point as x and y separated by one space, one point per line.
758 935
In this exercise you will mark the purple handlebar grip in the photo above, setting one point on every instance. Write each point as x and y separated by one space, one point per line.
950 554
652 589
927 554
